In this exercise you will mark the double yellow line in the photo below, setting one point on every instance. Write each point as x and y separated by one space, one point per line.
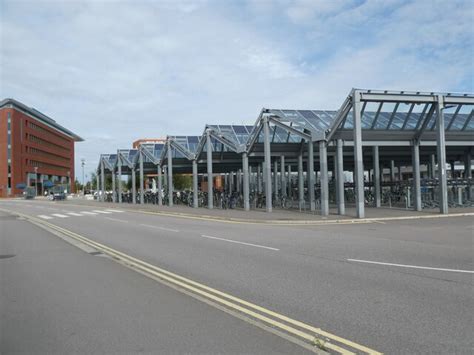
299 330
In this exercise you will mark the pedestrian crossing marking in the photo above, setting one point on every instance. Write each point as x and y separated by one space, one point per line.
78 214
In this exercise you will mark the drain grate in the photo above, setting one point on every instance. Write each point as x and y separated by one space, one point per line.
7 256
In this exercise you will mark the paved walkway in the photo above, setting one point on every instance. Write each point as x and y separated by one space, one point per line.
278 215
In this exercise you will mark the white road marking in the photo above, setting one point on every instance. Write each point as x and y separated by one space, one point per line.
162 228
116 220
234 241
411 266
89 213
45 217
59 215
119 211
99 211
75 214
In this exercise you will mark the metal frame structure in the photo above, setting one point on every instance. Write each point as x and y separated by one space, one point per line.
407 127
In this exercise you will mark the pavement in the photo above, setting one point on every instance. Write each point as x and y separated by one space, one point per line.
396 286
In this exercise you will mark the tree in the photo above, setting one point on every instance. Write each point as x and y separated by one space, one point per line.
182 182
78 185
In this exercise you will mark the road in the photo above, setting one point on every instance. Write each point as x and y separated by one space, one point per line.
397 287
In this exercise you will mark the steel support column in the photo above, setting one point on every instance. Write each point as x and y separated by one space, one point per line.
282 177
268 165
102 181
433 166
195 184
160 185
310 176
377 194
113 185
416 174
392 171
246 182
341 205
170 175
358 157
289 193
134 186
275 179
119 193
300 181
468 174
323 167
259 178
468 166
441 145
210 181
140 163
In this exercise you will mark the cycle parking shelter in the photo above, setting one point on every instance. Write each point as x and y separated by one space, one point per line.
305 156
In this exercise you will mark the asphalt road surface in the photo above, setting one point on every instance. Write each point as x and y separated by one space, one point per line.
398 287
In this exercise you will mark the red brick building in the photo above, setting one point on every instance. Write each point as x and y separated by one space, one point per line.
34 149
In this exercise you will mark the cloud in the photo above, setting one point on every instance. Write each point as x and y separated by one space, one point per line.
117 71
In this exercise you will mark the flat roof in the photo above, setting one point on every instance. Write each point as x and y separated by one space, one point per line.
39 116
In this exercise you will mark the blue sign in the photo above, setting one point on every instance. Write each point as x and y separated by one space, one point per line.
47 184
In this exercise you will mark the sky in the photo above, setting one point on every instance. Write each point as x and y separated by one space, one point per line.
117 71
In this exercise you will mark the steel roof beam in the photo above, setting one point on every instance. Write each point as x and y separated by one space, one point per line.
340 116
287 128
416 98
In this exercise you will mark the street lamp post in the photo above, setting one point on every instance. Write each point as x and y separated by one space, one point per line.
36 180
83 162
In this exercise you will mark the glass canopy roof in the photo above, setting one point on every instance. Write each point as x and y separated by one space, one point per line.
189 143
236 134
154 148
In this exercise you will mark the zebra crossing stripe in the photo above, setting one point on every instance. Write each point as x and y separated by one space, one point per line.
75 214
59 215
104 212
45 217
89 213
119 211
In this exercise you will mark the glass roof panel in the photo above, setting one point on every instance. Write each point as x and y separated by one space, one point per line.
367 120
398 119
412 121
382 120
326 117
240 130
279 135
459 121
